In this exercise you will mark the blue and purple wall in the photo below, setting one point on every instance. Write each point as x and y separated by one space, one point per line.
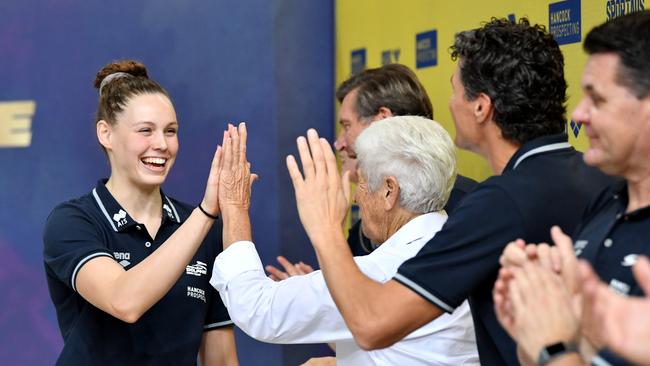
269 63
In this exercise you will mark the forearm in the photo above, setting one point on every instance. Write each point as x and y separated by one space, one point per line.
236 225
296 310
218 348
370 309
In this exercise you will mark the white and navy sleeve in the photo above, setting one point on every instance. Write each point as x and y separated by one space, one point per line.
465 253
71 239
217 314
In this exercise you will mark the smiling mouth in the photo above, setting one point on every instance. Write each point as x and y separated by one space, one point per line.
154 163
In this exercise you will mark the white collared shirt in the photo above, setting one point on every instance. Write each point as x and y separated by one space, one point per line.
301 310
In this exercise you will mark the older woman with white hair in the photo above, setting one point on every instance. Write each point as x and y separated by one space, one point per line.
407 168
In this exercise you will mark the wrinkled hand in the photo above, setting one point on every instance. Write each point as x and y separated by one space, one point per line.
621 323
320 361
542 311
235 180
290 269
322 196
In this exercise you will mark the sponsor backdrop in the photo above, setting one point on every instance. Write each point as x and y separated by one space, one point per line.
418 33
269 63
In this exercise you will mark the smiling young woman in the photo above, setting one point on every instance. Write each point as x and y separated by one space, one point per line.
127 266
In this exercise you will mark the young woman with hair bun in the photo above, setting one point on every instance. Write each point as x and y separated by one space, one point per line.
128 266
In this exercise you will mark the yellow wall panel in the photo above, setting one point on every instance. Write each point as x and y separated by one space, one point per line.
383 25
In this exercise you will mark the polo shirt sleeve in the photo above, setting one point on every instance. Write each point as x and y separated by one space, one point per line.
71 239
465 253
217 314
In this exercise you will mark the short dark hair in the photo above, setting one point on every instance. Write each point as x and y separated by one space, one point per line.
628 37
393 86
521 68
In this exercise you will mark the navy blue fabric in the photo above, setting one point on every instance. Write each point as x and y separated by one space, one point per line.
611 239
170 332
461 261
361 245
607 357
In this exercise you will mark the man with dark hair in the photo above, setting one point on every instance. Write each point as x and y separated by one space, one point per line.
508 106
615 229
372 95
367 97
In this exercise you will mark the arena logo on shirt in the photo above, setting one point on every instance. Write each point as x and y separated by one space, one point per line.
564 21
16 123
197 269
617 8
123 258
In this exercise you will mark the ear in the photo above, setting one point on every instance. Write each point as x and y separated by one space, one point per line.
384 112
483 108
390 190
104 134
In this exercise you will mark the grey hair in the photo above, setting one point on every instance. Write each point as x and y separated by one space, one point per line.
418 152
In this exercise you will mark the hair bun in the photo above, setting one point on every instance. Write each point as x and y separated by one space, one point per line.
131 67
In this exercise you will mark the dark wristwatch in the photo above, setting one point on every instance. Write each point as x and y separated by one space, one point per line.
555 350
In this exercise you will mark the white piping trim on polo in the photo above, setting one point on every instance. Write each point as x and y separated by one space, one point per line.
426 294
178 218
218 324
541 149
101 206
81 263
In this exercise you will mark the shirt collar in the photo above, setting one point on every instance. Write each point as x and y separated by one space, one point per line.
540 145
117 216
620 194
420 227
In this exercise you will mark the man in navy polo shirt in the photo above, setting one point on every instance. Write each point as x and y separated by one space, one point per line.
615 229
508 106
616 114
189 305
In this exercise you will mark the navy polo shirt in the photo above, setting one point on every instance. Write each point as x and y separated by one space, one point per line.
170 332
545 183
611 239
361 245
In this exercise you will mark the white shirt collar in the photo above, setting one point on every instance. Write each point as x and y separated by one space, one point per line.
419 228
